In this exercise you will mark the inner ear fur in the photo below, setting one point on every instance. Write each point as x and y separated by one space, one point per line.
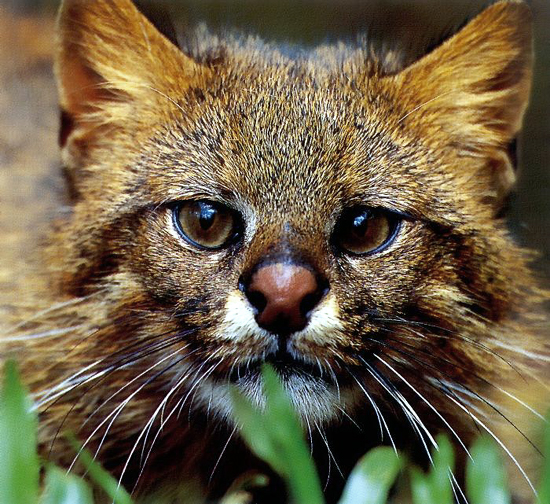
109 57
475 86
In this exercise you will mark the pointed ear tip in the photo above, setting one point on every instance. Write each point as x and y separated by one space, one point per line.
67 15
68 6
513 19
516 10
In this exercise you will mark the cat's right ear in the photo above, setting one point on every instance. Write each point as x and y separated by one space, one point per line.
473 91
113 67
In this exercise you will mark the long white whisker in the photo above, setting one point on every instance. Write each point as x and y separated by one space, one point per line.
496 438
430 405
222 453
111 417
522 351
133 380
152 418
69 384
416 423
331 457
41 335
165 420
309 434
379 415
457 489
51 309
334 378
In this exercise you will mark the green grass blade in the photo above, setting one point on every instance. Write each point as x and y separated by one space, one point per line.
275 436
63 488
441 472
485 474
286 432
435 487
372 478
255 433
101 477
420 487
19 467
544 487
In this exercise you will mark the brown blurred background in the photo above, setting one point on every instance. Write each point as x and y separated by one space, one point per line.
27 97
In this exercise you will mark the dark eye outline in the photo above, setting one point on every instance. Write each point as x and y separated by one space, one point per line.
231 240
395 220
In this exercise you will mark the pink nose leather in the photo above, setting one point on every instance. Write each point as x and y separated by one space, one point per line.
283 295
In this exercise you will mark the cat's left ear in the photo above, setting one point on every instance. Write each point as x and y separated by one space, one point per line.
113 65
474 88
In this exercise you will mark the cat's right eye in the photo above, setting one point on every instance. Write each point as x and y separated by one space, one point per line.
206 224
363 230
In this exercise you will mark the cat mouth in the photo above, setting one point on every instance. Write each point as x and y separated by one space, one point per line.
311 388
285 364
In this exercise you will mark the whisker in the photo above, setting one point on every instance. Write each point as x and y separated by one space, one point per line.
53 308
122 360
470 391
430 405
165 420
52 333
346 414
522 351
334 378
413 418
152 418
331 457
497 439
133 380
484 400
96 380
450 335
457 489
118 410
309 434
379 416
222 453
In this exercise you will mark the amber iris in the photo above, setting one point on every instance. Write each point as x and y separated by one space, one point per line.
205 224
363 230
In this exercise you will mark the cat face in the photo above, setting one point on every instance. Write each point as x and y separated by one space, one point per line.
316 213
293 198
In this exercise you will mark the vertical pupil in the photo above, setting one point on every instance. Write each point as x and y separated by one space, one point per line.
206 216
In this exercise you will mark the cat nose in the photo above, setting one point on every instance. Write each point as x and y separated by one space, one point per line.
283 296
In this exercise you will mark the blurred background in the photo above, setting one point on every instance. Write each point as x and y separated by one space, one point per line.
302 22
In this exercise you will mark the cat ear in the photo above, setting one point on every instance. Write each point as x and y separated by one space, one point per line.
475 86
109 59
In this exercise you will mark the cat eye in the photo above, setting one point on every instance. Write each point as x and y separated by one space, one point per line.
206 224
364 230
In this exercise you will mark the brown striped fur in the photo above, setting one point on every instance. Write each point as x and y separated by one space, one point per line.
448 317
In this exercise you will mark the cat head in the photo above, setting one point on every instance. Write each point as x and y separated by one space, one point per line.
315 212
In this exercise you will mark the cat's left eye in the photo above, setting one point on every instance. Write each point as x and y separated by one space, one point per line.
363 230
206 224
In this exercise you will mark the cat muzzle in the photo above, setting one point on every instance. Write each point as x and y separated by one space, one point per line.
283 296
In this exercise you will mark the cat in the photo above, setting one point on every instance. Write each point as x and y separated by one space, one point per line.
336 213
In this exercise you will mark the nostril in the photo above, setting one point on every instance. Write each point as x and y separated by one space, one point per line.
312 299
309 302
257 300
